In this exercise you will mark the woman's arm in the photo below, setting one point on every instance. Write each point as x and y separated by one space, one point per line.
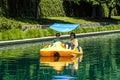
76 43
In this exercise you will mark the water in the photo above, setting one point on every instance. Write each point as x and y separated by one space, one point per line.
100 61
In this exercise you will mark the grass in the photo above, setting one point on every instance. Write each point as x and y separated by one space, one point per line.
116 17
70 19
27 22
51 20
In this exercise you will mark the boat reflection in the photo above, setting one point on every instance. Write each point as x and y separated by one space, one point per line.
61 65
57 63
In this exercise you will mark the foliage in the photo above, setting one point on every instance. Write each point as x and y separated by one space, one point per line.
104 10
3 8
12 34
51 8
6 24
9 23
46 32
0 12
0 36
111 4
35 33
24 9
42 8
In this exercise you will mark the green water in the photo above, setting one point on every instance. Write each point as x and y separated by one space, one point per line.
100 61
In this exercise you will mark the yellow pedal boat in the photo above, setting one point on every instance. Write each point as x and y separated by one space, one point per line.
58 49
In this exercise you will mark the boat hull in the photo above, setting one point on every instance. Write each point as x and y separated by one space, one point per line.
59 50
55 53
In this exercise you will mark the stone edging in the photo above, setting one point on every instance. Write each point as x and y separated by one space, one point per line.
3 43
93 24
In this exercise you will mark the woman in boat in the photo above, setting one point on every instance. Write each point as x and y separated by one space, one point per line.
73 42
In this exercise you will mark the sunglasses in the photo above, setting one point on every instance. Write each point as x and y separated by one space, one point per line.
71 35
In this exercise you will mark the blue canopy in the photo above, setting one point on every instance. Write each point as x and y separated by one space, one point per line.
64 27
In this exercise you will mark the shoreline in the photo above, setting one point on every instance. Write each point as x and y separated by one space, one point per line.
81 35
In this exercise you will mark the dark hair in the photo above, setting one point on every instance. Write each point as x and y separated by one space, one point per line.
72 33
57 34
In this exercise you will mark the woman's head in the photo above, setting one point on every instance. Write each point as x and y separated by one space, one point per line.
72 35
57 35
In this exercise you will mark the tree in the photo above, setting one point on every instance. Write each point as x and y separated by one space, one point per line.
94 3
111 4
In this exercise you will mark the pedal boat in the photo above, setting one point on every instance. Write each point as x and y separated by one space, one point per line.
58 49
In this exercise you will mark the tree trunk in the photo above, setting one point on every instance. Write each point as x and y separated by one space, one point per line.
110 12
36 9
93 12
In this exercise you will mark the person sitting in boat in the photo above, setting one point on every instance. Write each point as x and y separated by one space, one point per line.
73 42
57 39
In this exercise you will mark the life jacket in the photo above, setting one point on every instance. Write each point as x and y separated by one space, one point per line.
57 40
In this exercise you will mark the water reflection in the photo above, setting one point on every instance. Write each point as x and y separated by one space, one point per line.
60 65
18 69
101 61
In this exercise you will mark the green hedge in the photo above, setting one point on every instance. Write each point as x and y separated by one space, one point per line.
13 34
35 33
51 8
6 24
